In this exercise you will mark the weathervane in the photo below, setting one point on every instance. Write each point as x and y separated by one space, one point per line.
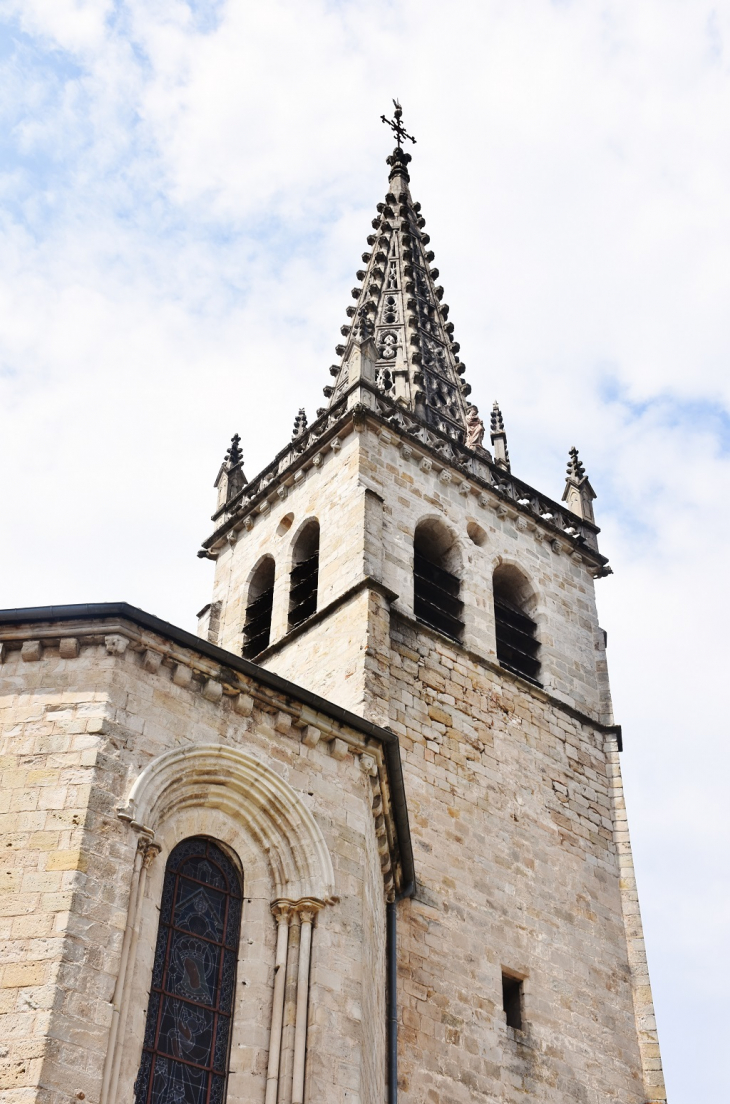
396 125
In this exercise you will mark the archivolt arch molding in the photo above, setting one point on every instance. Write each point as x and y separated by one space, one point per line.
227 778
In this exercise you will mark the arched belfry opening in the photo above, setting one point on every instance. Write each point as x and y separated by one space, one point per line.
304 574
515 627
436 584
257 626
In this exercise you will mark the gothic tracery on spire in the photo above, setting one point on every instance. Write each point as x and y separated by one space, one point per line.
399 304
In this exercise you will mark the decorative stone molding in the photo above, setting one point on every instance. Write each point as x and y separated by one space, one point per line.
248 790
31 651
214 776
243 705
212 690
151 661
338 749
288 1038
116 644
182 675
311 736
147 851
68 647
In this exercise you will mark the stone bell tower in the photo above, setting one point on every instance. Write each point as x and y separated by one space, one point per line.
389 561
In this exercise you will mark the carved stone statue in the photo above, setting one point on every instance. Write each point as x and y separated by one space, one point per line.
474 428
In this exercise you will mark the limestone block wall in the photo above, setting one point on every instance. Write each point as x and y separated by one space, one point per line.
572 649
329 657
328 491
369 494
516 835
81 720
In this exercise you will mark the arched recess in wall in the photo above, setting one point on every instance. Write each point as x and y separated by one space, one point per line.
214 779
436 578
233 781
259 605
515 626
304 574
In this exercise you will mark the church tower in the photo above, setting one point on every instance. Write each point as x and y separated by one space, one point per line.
389 560
363 838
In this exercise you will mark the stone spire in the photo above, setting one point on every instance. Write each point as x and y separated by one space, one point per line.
499 438
231 478
300 424
578 493
234 454
399 336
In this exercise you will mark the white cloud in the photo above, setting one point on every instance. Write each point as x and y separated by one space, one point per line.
187 189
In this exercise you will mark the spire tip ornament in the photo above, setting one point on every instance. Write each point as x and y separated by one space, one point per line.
578 493
396 125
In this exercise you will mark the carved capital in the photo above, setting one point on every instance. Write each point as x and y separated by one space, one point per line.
307 909
150 853
281 909
368 765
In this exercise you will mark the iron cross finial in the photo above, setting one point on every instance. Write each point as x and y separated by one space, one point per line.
396 125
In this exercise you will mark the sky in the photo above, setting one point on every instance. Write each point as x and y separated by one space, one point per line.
185 191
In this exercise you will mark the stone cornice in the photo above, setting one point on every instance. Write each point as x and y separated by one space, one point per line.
474 470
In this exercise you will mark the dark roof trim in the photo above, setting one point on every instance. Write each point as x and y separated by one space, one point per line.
388 739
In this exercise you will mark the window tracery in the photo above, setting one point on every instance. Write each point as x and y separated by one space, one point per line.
190 1010
388 345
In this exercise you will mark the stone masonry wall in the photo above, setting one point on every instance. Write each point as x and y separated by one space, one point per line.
328 491
496 774
76 732
369 493
512 801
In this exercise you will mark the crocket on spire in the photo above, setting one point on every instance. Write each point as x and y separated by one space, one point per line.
399 336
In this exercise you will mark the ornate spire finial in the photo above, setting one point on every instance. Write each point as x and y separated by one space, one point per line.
397 127
235 454
578 493
499 438
231 477
300 424
398 336
575 469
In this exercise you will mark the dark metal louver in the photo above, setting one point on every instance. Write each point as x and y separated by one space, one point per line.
436 597
257 628
517 646
303 594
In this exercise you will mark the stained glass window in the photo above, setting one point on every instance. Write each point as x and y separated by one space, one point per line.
190 1012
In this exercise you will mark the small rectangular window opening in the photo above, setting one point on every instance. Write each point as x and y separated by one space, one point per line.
512 1001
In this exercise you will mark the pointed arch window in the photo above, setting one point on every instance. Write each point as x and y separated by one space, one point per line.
515 629
257 627
436 586
190 1012
304 574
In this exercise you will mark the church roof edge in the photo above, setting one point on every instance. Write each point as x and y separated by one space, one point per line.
124 611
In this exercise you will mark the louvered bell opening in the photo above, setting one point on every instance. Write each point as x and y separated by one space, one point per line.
303 594
517 646
257 627
436 597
